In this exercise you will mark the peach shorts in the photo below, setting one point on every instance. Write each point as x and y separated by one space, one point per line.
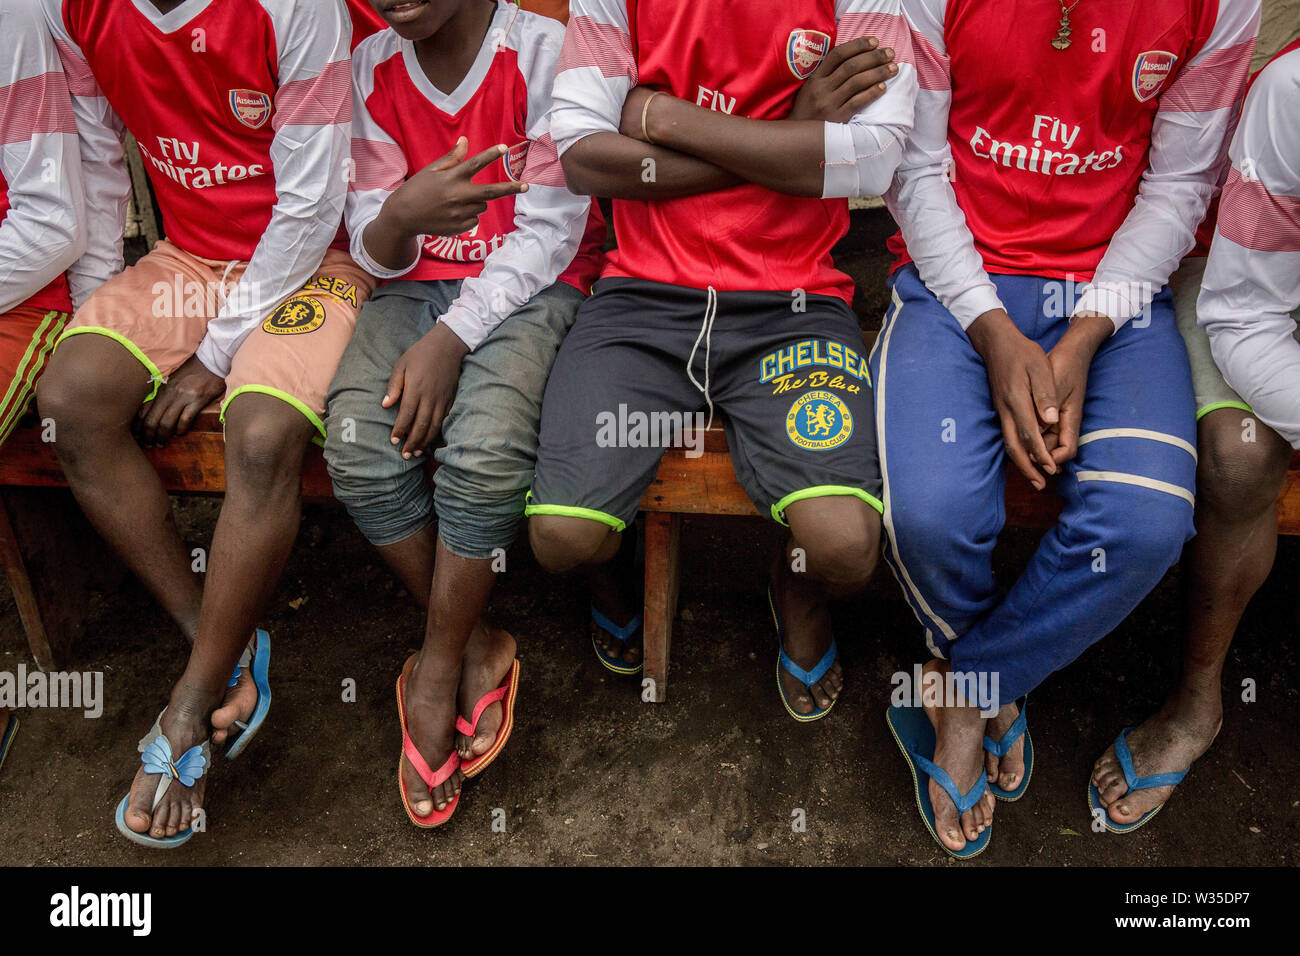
159 310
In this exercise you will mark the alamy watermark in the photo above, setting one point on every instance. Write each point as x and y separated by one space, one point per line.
638 429
82 691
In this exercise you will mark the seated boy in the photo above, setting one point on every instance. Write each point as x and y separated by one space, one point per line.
729 169
1249 305
1242 466
459 203
1019 186
42 218
242 111
42 211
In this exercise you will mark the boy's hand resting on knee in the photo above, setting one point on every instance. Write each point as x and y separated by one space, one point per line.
189 390
1024 392
424 380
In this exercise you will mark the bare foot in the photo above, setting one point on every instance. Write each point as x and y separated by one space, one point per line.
1010 770
959 750
1169 742
807 637
615 594
489 655
237 706
430 703
175 811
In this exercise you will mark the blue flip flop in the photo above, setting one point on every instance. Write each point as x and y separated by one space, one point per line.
914 734
1134 783
11 731
257 658
624 634
999 748
158 758
807 678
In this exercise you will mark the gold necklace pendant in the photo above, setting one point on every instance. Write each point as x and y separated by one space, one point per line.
1063 35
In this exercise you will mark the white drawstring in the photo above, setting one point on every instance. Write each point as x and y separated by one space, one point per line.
222 291
706 333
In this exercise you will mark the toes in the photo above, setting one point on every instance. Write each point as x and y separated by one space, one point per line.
819 694
139 815
990 767
417 794
1106 762
1009 779
945 819
1111 788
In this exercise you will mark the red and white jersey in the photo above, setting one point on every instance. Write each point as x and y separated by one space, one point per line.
42 213
365 21
242 110
1096 162
522 244
1251 290
745 58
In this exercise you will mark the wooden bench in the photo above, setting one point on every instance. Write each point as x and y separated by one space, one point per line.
47 548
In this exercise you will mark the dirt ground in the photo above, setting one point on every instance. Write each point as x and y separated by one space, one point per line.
595 776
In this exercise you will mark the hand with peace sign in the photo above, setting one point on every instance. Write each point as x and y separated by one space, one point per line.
440 200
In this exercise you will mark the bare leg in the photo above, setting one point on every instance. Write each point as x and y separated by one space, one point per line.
831 553
92 392
959 750
1236 540
457 601
265 443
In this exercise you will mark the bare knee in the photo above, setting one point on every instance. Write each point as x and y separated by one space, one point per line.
840 538
266 440
1242 465
87 395
562 543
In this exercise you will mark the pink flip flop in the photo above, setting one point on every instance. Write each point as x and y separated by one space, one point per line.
507 693
431 779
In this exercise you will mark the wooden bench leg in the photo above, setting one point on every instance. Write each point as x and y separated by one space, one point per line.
52 559
662 541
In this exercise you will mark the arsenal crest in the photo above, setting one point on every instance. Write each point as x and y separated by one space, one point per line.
1151 72
515 159
250 107
805 50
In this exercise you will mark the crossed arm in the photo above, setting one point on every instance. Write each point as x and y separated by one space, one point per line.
693 150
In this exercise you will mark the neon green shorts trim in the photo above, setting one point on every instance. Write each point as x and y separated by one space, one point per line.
571 512
823 491
297 403
154 374
1201 413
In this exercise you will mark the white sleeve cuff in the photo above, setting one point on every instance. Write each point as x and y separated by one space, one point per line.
1118 301
361 255
213 359
468 328
971 304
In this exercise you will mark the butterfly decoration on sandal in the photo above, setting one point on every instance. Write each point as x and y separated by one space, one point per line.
157 758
